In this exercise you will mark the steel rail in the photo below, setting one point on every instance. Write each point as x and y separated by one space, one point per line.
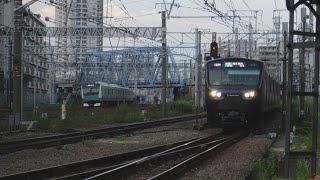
173 172
84 168
198 151
69 138
168 152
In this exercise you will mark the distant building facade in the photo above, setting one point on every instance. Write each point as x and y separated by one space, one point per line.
77 13
241 48
36 79
268 53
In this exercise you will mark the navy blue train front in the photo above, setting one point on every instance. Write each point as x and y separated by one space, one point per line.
238 92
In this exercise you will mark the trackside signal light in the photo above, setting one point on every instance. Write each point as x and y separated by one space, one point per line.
214 49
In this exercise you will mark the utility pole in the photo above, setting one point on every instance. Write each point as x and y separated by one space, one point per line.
17 63
190 81
276 25
315 99
237 48
284 79
301 65
245 47
250 40
164 64
10 75
198 68
289 91
229 53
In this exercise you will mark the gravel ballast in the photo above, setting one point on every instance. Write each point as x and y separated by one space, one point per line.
234 163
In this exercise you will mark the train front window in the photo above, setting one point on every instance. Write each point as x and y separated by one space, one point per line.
91 90
233 76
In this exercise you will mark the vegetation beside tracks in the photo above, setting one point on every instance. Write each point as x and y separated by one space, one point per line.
81 117
302 140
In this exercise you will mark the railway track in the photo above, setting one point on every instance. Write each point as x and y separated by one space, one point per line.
171 158
69 138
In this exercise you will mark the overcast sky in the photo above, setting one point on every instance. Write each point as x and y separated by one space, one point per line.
146 13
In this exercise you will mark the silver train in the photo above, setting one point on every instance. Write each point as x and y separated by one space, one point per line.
101 93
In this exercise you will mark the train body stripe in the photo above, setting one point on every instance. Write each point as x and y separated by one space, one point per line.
91 97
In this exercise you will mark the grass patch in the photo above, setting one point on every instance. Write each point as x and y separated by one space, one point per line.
43 123
121 138
303 137
76 118
182 106
303 171
135 117
88 142
268 167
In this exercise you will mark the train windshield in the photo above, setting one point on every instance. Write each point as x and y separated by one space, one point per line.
91 90
225 74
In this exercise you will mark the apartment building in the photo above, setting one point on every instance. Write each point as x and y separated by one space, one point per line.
35 61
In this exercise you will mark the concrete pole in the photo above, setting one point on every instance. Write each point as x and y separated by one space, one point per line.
245 47
289 91
196 76
34 93
302 73
250 40
10 76
284 80
190 81
236 43
229 53
17 62
315 100
219 47
199 71
164 65
233 20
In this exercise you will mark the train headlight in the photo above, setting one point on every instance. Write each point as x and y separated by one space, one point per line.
249 94
215 94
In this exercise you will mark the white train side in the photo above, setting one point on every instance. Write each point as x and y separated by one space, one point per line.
101 93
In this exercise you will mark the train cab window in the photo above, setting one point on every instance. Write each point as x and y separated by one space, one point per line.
228 76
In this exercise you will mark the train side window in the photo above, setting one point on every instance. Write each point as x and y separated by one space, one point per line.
108 91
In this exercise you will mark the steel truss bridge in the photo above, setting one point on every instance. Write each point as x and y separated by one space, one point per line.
136 67
133 67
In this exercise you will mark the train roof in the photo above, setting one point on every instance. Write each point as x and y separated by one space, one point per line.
268 70
234 58
111 85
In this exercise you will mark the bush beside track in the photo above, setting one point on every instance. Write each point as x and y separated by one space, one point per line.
81 117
